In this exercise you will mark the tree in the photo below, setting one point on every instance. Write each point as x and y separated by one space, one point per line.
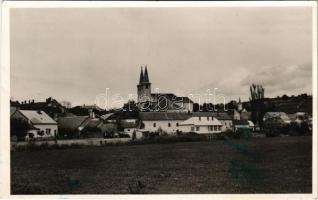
285 97
131 106
273 127
257 103
19 128
66 104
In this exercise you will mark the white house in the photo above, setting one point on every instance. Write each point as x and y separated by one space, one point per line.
201 125
166 121
43 125
223 117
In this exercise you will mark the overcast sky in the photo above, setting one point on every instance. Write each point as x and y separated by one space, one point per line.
75 54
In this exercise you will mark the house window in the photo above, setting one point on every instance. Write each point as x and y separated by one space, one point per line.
169 125
192 128
219 128
154 124
197 128
177 124
215 128
128 130
207 118
146 86
200 118
48 131
225 123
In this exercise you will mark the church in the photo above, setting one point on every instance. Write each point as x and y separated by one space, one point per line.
159 102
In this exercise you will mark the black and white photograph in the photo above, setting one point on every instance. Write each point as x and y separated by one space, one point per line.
159 99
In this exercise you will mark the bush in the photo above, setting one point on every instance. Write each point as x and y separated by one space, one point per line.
242 133
273 127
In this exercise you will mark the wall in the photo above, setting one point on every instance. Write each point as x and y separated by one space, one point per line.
226 125
43 127
202 129
163 124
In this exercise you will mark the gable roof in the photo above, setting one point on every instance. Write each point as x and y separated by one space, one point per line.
194 120
218 115
246 115
72 122
37 117
281 115
172 97
151 116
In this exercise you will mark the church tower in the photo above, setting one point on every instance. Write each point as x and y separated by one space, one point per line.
144 87
239 105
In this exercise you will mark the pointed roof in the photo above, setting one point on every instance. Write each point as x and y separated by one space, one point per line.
146 78
141 78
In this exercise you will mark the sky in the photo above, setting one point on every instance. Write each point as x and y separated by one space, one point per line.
74 54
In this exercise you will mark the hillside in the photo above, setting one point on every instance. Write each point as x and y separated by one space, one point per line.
301 103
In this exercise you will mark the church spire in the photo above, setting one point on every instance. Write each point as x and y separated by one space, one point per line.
141 78
146 79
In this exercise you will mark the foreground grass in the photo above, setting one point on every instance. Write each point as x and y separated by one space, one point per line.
264 165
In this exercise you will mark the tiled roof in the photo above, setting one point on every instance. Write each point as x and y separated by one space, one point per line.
71 122
218 115
172 97
93 122
129 124
281 115
149 116
37 117
201 122
246 115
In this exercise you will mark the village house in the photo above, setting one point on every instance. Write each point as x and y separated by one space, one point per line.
280 115
79 126
168 122
242 124
225 119
168 102
51 106
201 124
42 125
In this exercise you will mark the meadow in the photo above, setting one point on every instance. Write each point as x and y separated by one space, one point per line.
255 165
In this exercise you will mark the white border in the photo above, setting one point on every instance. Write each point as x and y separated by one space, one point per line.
5 93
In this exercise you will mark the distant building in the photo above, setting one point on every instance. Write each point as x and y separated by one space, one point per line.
148 101
166 121
201 125
234 114
51 106
43 125
241 124
77 126
223 117
280 115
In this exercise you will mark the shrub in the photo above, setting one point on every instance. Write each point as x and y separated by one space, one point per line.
273 127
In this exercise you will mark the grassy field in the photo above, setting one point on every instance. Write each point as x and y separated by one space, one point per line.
263 165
